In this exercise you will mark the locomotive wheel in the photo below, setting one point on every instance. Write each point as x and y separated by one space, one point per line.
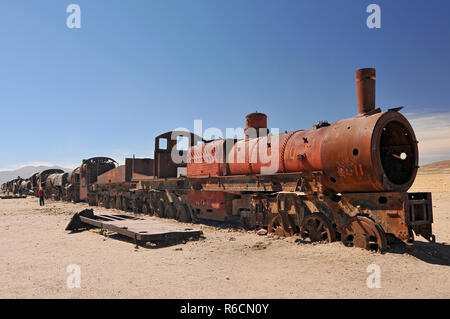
160 209
105 202
183 214
125 204
170 212
118 203
150 209
362 232
317 227
275 227
112 202
136 206
145 209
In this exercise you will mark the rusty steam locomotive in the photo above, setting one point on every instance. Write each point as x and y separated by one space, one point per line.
343 181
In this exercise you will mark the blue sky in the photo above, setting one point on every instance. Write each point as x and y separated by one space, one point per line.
138 68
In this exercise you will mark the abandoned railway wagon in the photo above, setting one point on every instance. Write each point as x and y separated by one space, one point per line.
17 186
39 180
345 181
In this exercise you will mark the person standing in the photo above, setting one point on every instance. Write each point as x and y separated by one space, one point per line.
41 197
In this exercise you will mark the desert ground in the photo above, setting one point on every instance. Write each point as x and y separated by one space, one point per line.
228 263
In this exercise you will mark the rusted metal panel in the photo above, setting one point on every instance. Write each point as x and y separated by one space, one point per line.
116 175
419 209
419 214
134 168
138 168
393 211
141 177
169 157
165 166
207 159
74 176
139 229
90 169
308 182
42 177
57 179
61 179
72 189
212 205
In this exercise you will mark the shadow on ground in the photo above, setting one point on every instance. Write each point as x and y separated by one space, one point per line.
140 244
432 253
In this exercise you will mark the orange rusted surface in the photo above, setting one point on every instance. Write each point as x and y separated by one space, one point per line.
346 180
370 153
213 205
255 125
365 90
374 151
207 159
116 175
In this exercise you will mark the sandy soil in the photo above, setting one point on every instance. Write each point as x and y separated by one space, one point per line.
36 250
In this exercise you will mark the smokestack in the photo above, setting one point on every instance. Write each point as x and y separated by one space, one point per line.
365 90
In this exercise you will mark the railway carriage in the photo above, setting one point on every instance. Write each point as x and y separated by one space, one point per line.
345 181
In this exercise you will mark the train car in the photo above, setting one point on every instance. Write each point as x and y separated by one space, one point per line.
25 187
17 186
39 180
55 185
72 188
58 184
10 186
127 187
34 183
90 169
347 180
117 187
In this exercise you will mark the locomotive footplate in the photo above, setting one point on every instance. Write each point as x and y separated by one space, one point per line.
139 229
306 181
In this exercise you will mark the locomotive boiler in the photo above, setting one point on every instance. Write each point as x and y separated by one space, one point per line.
374 151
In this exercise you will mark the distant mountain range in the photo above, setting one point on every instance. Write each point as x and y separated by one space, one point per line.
26 172
442 167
